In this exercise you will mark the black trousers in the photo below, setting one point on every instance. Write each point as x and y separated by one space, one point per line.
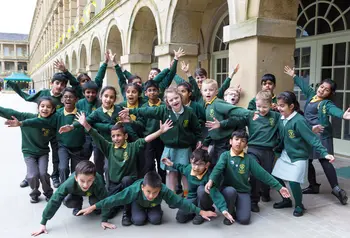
153 152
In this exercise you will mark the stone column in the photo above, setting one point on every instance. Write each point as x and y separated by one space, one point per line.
61 23
66 19
80 12
15 50
2 66
165 55
73 14
1 50
139 64
16 66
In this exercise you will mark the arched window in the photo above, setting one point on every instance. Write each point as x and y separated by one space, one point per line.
219 61
154 59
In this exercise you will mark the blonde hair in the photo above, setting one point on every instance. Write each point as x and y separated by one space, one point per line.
171 90
232 89
211 82
265 96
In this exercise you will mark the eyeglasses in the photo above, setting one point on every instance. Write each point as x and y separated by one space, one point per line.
68 97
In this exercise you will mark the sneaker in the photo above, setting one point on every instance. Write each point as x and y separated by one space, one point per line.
24 183
75 211
227 222
298 211
255 207
34 199
265 199
197 220
126 220
56 182
341 195
286 202
312 189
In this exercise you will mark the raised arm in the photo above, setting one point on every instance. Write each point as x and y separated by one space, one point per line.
25 96
227 82
102 70
305 88
9 113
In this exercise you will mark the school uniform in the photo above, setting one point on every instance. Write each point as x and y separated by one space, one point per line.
252 103
88 107
235 185
219 138
35 149
70 144
179 140
143 210
317 112
196 191
71 195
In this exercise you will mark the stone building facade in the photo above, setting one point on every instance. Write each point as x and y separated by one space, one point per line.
261 35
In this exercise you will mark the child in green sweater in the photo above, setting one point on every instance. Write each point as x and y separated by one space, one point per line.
70 145
296 139
146 196
318 108
180 140
197 176
122 157
231 192
84 182
35 147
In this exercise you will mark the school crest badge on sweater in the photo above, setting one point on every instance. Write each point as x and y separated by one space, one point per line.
291 134
125 156
241 169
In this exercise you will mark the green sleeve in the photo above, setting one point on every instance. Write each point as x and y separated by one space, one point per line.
126 196
305 88
219 169
234 111
196 92
103 127
333 110
262 174
127 74
25 96
122 79
195 126
234 122
218 199
50 122
252 105
181 168
160 77
72 80
223 87
150 112
207 141
178 79
169 77
100 142
175 200
138 145
100 75
101 193
55 202
21 116
311 138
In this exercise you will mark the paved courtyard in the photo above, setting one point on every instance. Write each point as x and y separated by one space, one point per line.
325 217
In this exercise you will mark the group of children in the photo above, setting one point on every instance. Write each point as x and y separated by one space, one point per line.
192 130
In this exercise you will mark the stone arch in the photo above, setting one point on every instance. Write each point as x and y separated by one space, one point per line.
67 62
114 40
82 58
143 26
74 62
95 52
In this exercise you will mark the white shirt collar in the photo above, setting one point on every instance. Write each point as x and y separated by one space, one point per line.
290 116
180 112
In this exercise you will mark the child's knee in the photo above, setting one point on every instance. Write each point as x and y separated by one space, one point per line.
155 220
139 220
127 181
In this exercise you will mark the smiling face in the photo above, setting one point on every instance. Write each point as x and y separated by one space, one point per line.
45 109
238 144
200 79
108 98
69 100
284 108
174 101
90 94
199 166
209 91
262 107
324 90
85 181
57 87
152 93
149 192
152 74
118 137
132 95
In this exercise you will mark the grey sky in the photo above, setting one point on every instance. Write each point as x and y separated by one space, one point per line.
16 15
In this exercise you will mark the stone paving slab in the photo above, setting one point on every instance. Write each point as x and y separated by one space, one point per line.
325 216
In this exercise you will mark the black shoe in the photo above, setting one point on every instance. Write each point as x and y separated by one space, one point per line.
34 199
56 182
255 207
126 220
75 211
286 202
265 199
341 195
24 183
298 211
197 220
179 190
227 222
48 198
312 189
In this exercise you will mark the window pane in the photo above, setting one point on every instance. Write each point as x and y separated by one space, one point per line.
339 77
305 57
349 51
326 73
218 66
322 27
340 50
336 122
310 28
348 79
327 55
347 122
218 79
224 65
297 58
